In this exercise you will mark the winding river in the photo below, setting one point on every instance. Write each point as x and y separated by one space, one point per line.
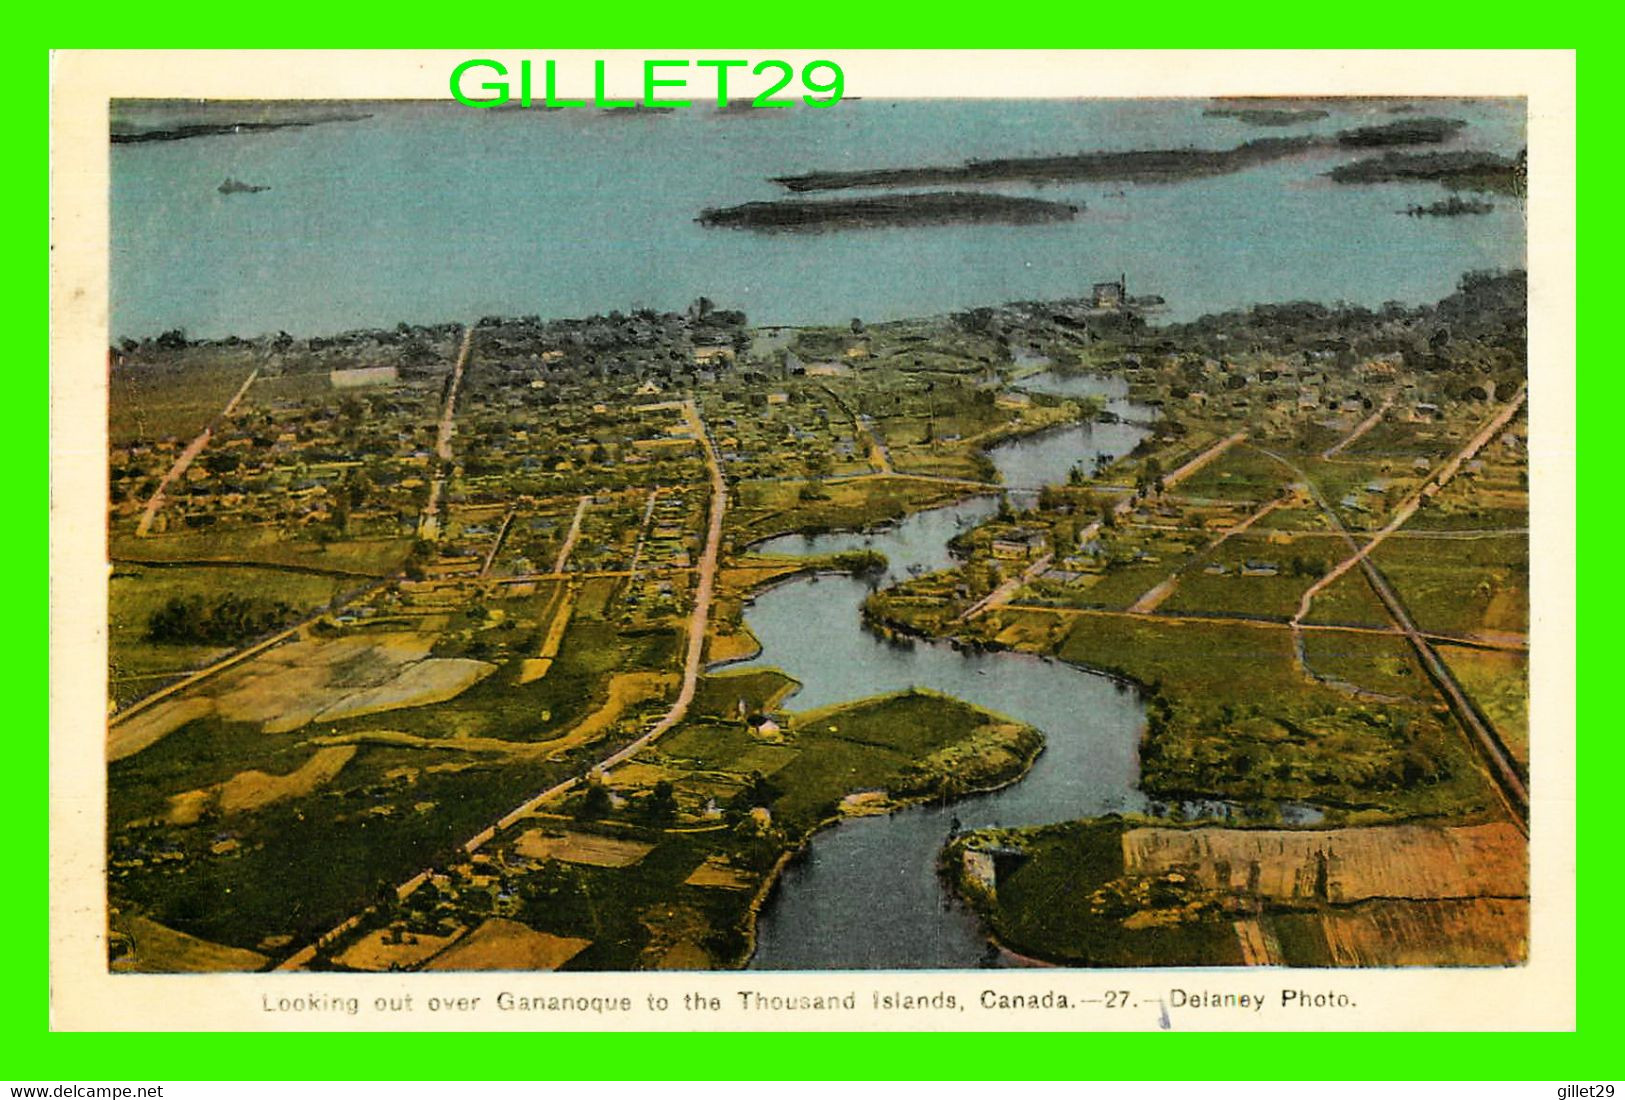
866 894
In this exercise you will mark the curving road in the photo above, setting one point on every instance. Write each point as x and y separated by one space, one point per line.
692 666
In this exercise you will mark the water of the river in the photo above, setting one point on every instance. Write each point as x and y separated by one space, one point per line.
866 894
434 212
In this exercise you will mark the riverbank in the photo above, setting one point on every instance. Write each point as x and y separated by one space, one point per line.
1189 594
1153 893
822 913
997 759
728 640
1246 729
667 861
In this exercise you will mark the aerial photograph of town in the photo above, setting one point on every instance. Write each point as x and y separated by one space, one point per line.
908 534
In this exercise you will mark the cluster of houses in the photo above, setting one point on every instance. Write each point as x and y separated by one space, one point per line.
771 433
668 538
292 462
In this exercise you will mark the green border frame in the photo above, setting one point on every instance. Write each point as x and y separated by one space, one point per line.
33 1052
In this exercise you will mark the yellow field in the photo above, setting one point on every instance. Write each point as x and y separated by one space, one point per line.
719 875
254 790
588 848
309 679
153 724
500 944
537 667
288 686
433 680
1339 865
1475 932
374 951
737 645
161 950
1499 684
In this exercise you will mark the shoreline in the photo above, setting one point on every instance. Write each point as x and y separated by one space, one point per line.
771 881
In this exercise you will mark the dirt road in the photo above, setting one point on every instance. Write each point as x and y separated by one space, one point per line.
692 666
1360 429
1407 508
1154 597
571 535
863 432
183 461
429 522
643 531
1003 593
496 543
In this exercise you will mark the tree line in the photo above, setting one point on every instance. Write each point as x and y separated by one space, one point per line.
229 619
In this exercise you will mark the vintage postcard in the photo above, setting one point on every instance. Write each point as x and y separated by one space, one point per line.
829 541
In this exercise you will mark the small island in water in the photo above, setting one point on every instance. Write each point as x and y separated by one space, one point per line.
1409 131
1138 166
1467 170
1452 207
1268 116
927 208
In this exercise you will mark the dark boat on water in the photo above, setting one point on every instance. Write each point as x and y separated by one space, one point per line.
238 187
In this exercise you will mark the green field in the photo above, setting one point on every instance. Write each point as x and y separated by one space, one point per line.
1396 440
1212 661
1298 566
1231 716
768 508
138 666
911 745
266 545
884 743
1461 585
340 844
1241 473
576 684
1046 904
1304 518
1499 683
1372 662
718 696
174 399
1116 589
1348 601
